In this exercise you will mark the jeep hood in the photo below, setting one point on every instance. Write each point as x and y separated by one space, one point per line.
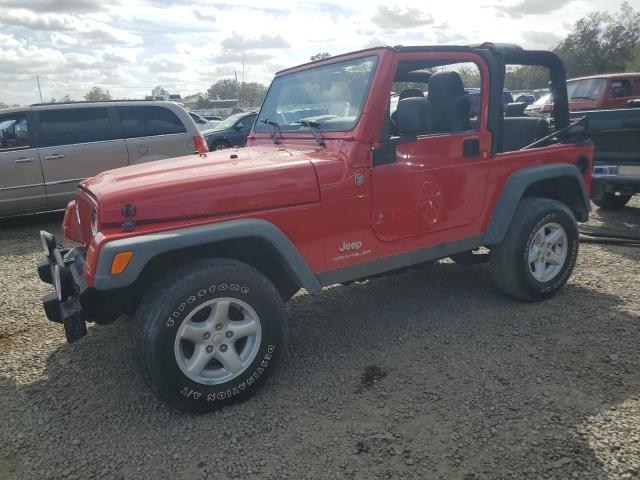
222 182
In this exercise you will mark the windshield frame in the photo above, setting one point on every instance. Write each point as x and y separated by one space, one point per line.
259 128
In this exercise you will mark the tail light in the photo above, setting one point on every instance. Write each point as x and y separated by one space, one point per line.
201 144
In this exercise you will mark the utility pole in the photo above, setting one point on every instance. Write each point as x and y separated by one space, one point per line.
39 89
242 82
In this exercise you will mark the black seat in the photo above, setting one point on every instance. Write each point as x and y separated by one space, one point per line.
414 116
410 93
518 132
451 106
406 93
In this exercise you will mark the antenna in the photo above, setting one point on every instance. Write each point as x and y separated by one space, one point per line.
39 89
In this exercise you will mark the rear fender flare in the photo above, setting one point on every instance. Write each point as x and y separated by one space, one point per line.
146 247
515 188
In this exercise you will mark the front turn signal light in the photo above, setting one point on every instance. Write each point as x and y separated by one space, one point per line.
120 262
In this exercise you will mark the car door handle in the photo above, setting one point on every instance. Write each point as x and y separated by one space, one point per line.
55 156
24 160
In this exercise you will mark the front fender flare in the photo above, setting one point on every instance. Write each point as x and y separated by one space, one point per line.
514 189
146 247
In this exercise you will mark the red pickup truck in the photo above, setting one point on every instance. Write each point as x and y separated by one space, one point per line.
337 183
606 91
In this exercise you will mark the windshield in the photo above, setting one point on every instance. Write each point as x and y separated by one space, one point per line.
331 96
587 89
229 122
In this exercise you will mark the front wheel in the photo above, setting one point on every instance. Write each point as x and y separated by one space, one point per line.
209 334
539 251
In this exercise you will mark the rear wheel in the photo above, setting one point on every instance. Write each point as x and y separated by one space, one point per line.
539 251
611 201
209 334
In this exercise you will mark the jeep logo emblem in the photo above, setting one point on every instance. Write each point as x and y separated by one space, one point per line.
350 246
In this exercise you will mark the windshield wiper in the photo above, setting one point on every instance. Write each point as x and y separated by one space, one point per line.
315 130
275 129
581 98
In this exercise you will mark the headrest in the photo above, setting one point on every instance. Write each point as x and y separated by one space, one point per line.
410 93
444 85
414 116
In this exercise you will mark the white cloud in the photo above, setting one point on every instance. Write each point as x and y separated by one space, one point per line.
532 7
396 18
131 46
243 42
48 6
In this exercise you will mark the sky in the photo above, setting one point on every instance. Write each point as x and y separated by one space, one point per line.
130 46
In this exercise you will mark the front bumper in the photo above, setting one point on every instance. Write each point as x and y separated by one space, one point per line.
63 270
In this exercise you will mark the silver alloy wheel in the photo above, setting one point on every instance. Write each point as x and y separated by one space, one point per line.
218 341
548 252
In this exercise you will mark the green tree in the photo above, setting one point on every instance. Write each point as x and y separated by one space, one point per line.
225 89
601 42
470 76
198 99
319 56
526 78
97 94
633 65
159 91
253 91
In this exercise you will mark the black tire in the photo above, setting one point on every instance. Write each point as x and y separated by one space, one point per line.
168 303
509 263
220 145
611 201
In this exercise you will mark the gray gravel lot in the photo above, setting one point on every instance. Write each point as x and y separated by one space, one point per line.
426 374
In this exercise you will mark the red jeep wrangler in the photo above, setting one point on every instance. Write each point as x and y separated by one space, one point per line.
357 165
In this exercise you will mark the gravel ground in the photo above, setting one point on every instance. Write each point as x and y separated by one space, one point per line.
426 374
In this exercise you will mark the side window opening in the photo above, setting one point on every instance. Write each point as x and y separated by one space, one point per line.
70 126
522 127
149 121
14 132
447 93
620 88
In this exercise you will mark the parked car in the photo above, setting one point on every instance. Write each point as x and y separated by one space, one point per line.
202 123
603 91
204 252
474 97
525 98
542 108
616 163
231 132
46 150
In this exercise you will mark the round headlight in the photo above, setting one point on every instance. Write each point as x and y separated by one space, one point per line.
57 282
